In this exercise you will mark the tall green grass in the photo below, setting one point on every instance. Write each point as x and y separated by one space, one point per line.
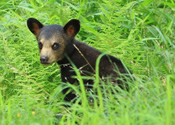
140 33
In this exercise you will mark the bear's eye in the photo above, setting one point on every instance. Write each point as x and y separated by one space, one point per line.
40 45
55 46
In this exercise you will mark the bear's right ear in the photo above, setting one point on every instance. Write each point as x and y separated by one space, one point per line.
34 26
72 27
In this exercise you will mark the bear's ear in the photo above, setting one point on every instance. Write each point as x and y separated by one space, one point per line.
72 27
34 25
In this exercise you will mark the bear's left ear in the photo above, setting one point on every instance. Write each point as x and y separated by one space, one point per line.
34 26
72 27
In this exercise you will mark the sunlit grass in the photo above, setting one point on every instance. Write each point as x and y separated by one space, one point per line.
140 33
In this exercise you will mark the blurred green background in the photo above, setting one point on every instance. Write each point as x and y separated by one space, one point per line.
140 33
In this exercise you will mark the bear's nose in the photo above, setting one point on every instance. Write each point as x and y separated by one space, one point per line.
44 59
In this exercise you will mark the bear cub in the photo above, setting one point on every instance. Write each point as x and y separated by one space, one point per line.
58 44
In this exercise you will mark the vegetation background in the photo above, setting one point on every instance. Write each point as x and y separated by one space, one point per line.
141 33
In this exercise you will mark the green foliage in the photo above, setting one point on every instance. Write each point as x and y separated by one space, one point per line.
140 33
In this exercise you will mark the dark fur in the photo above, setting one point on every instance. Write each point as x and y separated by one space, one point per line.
80 54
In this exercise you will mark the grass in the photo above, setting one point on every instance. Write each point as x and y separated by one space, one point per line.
140 33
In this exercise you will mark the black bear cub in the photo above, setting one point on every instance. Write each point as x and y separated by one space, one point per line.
57 44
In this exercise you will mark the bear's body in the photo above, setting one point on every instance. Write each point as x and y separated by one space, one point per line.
57 44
